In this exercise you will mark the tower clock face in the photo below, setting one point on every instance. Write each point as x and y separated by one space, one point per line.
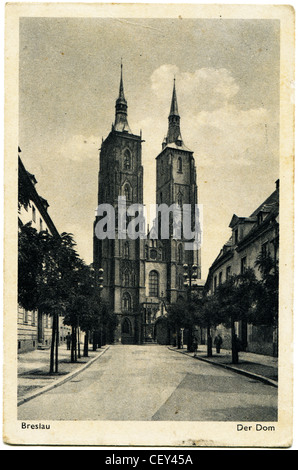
153 254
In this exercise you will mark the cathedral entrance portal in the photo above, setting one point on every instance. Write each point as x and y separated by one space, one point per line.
127 336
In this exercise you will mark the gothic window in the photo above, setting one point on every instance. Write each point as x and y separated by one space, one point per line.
126 250
180 199
126 302
179 165
180 254
127 160
127 192
153 284
126 278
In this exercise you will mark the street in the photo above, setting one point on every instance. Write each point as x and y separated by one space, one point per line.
152 382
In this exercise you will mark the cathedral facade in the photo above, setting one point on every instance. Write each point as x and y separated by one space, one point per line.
143 275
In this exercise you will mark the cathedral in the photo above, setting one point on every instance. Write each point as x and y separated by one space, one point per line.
143 275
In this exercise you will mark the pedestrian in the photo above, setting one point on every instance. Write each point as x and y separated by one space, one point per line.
218 342
68 340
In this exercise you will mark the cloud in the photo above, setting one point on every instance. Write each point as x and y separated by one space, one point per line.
213 124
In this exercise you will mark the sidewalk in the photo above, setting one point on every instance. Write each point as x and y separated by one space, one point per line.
34 366
257 366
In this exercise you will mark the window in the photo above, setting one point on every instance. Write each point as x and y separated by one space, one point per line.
127 160
180 200
127 192
243 264
236 235
228 272
126 278
126 250
220 278
215 282
25 316
153 284
179 165
260 218
40 225
126 302
180 254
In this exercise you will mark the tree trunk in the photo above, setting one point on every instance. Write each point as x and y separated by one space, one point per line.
73 344
79 349
86 343
94 341
52 346
209 342
235 357
57 341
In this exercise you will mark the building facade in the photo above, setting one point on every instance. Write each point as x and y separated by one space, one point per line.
143 275
34 327
250 236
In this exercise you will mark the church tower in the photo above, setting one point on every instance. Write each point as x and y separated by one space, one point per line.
121 258
176 184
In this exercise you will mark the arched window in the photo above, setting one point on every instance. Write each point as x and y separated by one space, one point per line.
127 160
179 165
180 200
180 254
153 284
126 250
126 302
127 192
126 278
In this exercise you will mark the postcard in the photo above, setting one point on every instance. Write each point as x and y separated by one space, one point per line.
148 226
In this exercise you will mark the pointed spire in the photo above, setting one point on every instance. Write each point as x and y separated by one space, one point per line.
121 88
174 104
121 123
174 134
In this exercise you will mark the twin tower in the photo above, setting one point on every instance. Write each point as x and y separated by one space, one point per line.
142 276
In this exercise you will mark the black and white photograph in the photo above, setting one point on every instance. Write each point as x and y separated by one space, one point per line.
149 227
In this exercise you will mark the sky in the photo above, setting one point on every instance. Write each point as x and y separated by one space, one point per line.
227 84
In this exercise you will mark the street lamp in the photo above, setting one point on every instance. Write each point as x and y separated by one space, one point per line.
190 274
100 287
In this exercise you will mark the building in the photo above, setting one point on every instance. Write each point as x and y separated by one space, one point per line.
34 328
143 275
249 237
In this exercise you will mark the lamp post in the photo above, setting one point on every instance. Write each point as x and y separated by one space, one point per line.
190 275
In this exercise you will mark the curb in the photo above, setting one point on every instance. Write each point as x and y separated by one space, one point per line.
60 381
252 375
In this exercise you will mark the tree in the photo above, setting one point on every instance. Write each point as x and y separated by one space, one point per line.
208 315
56 286
29 266
45 267
265 309
235 299
182 314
